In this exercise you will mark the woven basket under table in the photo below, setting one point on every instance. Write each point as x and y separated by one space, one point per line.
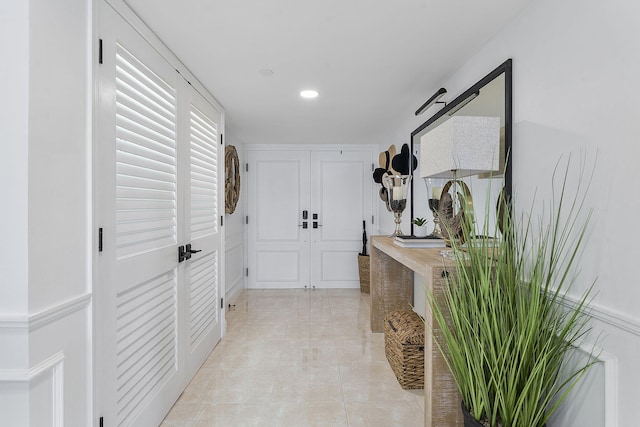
404 347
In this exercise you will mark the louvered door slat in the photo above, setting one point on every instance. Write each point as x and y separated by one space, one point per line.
204 296
134 227
146 168
142 214
129 243
138 319
131 366
202 171
129 68
146 316
204 165
128 403
151 194
127 181
141 205
130 129
148 149
133 134
136 100
201 125
134 107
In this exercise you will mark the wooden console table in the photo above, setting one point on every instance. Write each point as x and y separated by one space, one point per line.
391 288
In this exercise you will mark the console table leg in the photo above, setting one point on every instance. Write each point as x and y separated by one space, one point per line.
391 287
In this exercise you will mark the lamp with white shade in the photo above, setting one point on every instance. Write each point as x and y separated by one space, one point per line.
460 147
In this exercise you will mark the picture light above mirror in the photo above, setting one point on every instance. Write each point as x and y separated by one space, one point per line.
431 101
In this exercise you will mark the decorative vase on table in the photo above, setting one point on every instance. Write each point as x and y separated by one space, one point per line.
419 227
434 190
420 230
397 190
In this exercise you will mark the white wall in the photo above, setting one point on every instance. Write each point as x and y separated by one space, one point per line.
45 254
235 239
14 375
576 68
59 205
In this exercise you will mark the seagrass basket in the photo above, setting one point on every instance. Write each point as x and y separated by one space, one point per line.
404 347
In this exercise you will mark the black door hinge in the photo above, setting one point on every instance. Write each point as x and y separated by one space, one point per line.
221 302
246 219
100 239
101 421
100 51
221 139
221 221
247 272
246 167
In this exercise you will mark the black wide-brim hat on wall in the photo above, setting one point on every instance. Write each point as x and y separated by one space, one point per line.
394 164
405 162
384 161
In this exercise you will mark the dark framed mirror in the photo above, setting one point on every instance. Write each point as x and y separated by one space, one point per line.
490 96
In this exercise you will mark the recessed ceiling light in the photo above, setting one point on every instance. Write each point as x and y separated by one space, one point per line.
309 93
266 72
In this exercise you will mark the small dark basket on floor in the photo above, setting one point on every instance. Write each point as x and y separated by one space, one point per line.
363 269
404 347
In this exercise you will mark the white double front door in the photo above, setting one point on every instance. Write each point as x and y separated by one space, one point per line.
306 211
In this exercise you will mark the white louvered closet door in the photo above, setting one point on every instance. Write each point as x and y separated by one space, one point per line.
202 228
157 179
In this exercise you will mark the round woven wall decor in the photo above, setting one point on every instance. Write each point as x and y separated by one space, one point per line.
231 179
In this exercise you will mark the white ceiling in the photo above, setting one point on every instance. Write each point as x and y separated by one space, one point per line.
374 62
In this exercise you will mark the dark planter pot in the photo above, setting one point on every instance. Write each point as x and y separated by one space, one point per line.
468 419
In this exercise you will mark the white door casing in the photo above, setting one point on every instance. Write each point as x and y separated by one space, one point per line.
157 186
332 184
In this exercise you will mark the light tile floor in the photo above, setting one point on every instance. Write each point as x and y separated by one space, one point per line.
298 358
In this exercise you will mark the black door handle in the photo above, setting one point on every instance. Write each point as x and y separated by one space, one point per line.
192 251
184 252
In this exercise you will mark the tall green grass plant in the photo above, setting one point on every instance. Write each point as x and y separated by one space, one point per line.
507 325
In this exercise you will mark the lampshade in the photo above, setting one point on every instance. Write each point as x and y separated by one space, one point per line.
461 146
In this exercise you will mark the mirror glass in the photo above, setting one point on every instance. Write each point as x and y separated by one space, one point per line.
490 96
